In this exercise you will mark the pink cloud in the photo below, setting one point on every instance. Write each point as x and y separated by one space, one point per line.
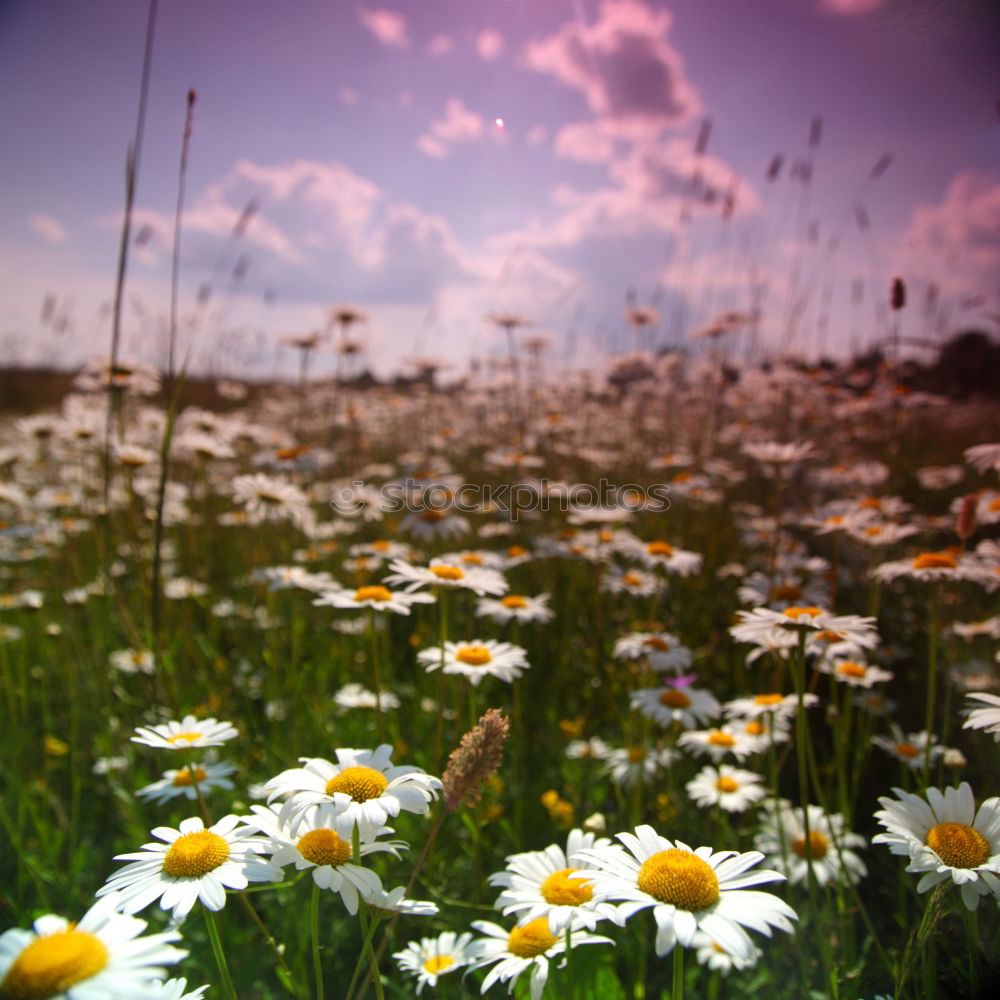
440 45
627 71
458 125
851 8
51 230
489 44
387 26
585 142
956 243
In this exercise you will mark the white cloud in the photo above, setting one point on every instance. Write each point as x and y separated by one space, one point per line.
48 228
432 147
585 142
489 44
387 26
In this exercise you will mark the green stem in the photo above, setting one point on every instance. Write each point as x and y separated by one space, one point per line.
677 990
314 932
211 921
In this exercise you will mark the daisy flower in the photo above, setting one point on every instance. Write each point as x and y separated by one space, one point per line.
315 846
358 696
778 453
476 659
945 838
689 706
627 764
728 787
377 597
689 891
191 864
133 661
545 884
100 956
928 566
182 782
268 498
662 650
387 903
637 582
529 946
362 789
782 833
908 748
854 673
984 718
518 607
716 743
174 989
188 734
771 703
711 954
479 580
430 958
667 557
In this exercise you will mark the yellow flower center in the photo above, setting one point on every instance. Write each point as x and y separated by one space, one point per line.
52 964
532 939
935 560
195 854
472 559
958 845
717 738
380 545
725 784
660 549
447 573
513 601
183 778
995 505
189 737
560 889
907 750
324 847
871 503
849 669
680 878
474 656
376 593
361 783
655 642
786 592
873 530
515 551
818 845
672 698
632 580
433 516
795 612
438 963
754 728
768 699
682 477
636 754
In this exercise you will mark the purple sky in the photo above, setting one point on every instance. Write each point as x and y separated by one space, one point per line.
365 133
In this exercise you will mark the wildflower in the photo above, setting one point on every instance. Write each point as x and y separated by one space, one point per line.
362 789
101 956
689 706
928 566
133 661
689 890
525 947
187 782
479 580
769 703
777 454
716 743
546 884
188 734
518 607
268 498
829 851
854 673
908 748
666 556
728 787
191 864
314 846
946 839
174 989
984 718
393 902
627 764
430 958
357 696
711 954
475 760
377 597
662 650
476 659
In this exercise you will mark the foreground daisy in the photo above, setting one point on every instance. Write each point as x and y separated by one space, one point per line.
188 734
476 659
545 884
191 864
101 956
362 789
946 838
689 890
529 946
430 958
830 850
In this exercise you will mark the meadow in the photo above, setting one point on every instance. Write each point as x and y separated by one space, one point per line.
683 684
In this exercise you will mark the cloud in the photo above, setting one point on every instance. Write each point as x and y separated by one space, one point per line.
387 26
851 8
440 45
956 243
459 124
585 142
348 96
536 135
632 79
48 228
489 44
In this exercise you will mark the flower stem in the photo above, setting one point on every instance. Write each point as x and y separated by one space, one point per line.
211 921
677 990
314 932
